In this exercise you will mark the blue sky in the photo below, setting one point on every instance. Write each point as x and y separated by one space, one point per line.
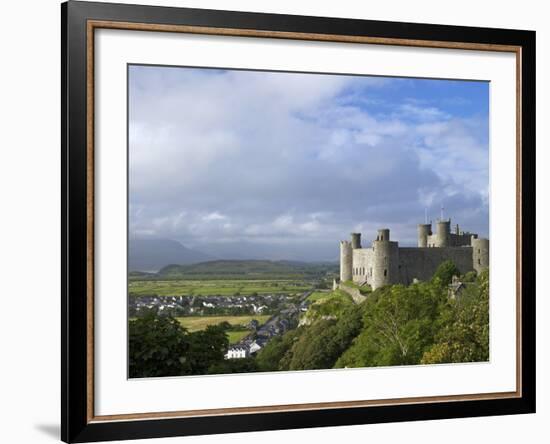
251 164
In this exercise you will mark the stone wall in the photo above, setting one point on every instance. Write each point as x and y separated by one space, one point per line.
421 263
387 263
362 265
353 292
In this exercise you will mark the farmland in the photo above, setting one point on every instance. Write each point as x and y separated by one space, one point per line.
226 287
195 323
236 335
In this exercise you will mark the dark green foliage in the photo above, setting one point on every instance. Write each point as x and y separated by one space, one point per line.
207 347
471 276
325 341
270 358
157 346
445 272
160 346
464 336
314 347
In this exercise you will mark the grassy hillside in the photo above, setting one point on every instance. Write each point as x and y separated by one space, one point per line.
395 325
247 269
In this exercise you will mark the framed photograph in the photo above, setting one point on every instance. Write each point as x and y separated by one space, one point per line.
275 221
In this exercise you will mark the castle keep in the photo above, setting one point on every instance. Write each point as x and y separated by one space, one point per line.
385 262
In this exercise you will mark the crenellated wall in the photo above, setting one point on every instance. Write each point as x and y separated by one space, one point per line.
386 263
421 263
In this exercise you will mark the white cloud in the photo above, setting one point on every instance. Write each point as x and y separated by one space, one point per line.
268 156
214 216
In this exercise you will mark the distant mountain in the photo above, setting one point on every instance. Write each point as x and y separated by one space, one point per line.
251 269
154 254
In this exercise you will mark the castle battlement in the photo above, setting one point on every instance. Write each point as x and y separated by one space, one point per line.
384 262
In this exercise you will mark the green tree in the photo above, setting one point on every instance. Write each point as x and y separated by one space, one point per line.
270 358
465 335
157 347
399 324
206 348
445 272
160 346
322 344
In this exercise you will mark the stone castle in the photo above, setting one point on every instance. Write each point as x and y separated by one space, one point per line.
385 262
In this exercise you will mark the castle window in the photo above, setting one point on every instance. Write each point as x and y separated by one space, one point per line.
479 261
385 272
479 250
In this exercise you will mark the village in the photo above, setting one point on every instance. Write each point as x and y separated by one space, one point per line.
284 311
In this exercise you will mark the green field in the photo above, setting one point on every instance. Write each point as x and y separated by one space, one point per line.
236 336
215 287
195 323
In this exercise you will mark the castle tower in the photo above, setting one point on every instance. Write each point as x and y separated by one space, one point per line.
480 254
346 261
385 260
443 233
355 240
424 230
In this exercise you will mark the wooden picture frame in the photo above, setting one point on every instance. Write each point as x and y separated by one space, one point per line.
79 22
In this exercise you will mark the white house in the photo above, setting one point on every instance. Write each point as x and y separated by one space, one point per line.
237 352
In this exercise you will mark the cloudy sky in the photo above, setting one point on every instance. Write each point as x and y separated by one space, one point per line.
248 164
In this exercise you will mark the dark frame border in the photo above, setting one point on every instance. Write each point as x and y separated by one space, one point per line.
77 425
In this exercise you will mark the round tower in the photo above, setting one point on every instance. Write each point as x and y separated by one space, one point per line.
443 233
480 254
384 260
383 235
424 230
355 240
346 261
